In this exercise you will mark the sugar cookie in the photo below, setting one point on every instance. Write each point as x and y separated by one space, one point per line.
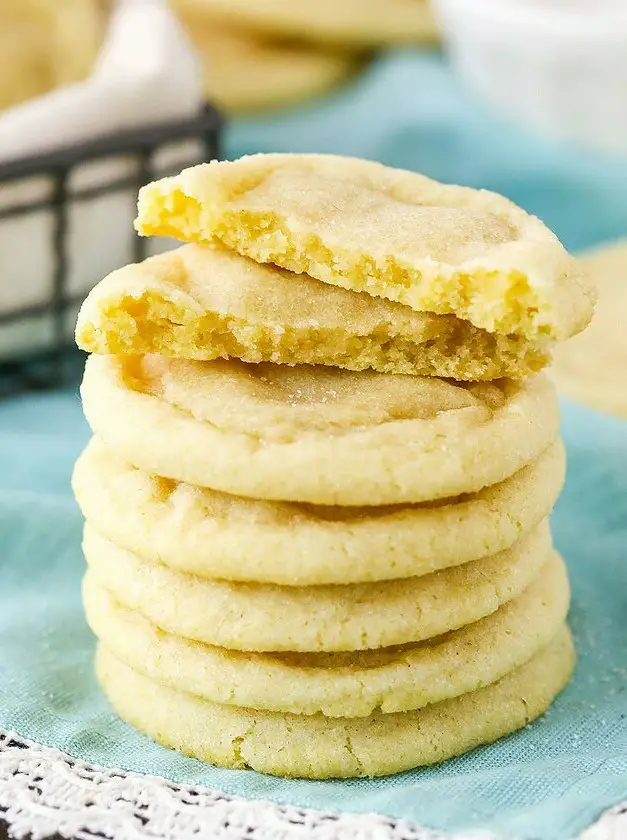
391 233
215 535
354 23
208 303
319 748
351 684
316 434
592 368
45 44
316 618
244 72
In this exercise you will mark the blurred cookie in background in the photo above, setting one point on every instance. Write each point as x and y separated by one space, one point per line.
45 44
592 367
245 72
349 23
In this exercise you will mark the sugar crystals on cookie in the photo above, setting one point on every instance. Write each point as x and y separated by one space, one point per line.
388 232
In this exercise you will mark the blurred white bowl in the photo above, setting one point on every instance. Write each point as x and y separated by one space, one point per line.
558 66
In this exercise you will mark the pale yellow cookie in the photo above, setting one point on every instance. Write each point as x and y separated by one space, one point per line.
316 618
592 368
208 303
244 72
353 23
318 747
352 684
316 434
215 535
45 44
391 233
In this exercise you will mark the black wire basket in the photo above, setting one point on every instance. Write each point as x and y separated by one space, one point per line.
52 360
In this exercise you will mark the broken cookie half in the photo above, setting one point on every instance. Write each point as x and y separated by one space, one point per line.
203 302
394 234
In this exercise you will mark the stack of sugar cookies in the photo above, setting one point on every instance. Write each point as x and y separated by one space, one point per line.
323 462
266 53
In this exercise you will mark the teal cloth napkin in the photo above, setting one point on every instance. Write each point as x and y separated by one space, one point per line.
547 782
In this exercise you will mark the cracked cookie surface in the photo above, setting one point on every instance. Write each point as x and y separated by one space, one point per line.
317 747
350 684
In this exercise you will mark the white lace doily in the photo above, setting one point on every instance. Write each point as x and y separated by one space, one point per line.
45 792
